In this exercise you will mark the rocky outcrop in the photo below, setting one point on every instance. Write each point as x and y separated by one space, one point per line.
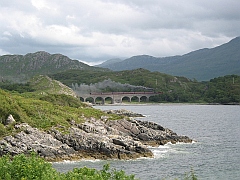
148 133
124 113
31 139
99 139
9 120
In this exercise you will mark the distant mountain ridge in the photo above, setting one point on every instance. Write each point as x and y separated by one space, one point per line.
22 67
110 61
202 64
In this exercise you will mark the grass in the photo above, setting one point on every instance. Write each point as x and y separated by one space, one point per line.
45 113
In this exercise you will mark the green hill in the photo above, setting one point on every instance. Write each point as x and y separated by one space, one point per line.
135 80
223 90
174 88
19 68
39 85
43 84
137 77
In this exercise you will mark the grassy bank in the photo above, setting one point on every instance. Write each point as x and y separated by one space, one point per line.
44 112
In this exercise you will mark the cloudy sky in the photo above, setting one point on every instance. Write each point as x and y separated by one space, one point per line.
97 30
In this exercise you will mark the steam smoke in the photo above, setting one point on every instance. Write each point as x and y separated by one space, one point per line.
107 86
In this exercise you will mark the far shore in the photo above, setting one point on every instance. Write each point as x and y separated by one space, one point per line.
146 104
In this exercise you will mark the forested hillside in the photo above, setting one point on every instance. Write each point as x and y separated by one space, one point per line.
138 77
175 89
222 90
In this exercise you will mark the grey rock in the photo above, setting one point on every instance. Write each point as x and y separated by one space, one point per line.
103 139
143 137
9 120
124 113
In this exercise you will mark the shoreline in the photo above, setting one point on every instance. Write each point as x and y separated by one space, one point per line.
157 104
104 139
92 159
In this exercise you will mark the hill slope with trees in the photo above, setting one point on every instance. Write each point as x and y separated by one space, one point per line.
175 89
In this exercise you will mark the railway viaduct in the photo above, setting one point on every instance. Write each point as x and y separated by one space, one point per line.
117 97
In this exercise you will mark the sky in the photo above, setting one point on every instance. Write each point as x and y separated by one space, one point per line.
94 31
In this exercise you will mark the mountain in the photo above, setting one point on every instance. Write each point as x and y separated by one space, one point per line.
202 64
22 67
110 61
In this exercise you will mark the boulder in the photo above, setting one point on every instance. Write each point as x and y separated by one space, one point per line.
9 120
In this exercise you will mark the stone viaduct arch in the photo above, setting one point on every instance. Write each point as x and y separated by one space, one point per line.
117 97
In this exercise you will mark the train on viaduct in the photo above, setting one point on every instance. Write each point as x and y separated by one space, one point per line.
117 97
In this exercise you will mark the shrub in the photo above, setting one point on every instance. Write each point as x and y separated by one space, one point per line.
3 130
190 176
22 167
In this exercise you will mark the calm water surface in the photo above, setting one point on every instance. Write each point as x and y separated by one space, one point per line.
214 155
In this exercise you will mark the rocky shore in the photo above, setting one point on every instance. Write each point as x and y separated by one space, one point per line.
124 112
94 139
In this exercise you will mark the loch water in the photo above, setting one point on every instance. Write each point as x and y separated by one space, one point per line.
215 154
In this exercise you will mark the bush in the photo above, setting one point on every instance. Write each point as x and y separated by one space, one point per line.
190 176
105 174
23 167
3 130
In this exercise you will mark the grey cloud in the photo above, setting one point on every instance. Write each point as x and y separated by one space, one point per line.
96 30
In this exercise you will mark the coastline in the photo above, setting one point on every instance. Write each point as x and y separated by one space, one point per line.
157 104
122 139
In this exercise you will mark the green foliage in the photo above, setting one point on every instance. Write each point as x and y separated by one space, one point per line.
104 174
31 167
37 85
42 114
175 89
190 175
45 85
8 106
3 130
223 90
63 100
21 167
18 87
